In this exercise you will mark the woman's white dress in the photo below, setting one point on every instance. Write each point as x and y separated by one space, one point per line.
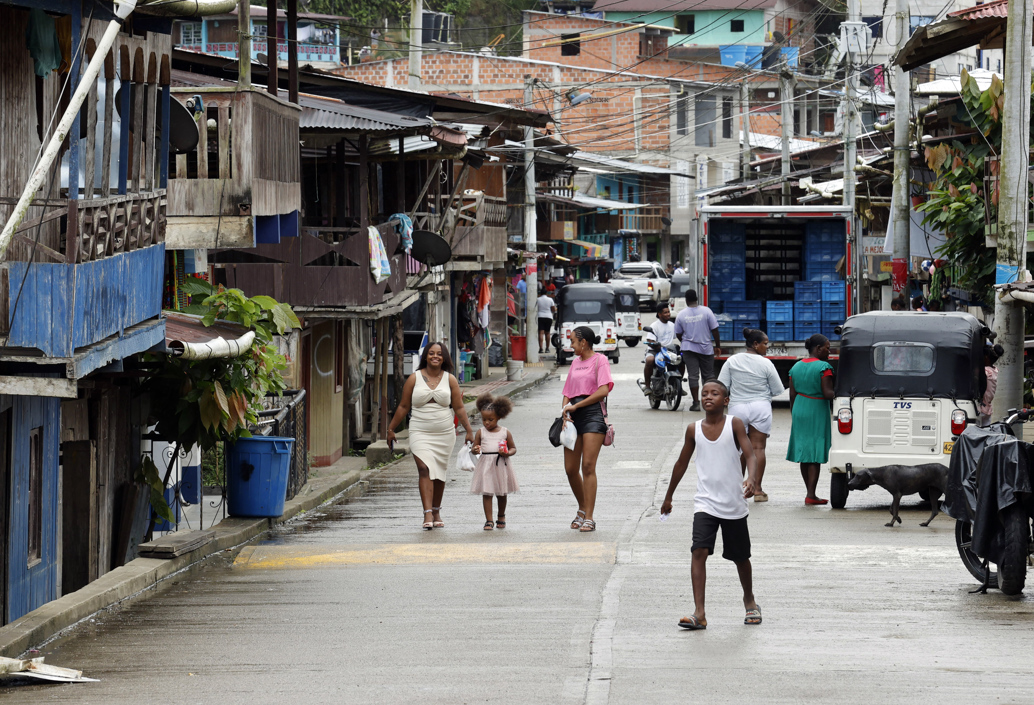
432 433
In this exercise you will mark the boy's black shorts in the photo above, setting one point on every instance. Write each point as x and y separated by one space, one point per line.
735 537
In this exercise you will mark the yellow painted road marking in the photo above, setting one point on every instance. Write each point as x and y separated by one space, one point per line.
295 557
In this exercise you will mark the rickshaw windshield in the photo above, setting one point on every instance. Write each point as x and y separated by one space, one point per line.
586 308
903 358
628 302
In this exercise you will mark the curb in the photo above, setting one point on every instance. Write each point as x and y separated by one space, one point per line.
142 574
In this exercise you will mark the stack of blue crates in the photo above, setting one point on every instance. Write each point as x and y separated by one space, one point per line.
744 314
834 307
823 248
727 276
779 315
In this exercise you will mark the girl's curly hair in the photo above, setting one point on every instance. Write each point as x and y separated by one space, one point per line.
500 406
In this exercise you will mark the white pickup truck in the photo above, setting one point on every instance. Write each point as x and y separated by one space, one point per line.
651 284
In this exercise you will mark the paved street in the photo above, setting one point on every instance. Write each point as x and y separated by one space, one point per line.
358 605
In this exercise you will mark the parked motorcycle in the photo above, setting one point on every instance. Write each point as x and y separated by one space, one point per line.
989 494
666 382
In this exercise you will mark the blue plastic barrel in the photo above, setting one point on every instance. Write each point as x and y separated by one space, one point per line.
256 476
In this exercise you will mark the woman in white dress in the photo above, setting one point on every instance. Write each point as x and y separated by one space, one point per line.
433 394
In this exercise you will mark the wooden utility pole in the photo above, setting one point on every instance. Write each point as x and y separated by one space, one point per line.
416 42
900 206
530 236
786 85
852 37
272 49
1013 205
244 39
745 128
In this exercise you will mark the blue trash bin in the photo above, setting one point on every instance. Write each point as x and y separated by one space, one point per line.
256 476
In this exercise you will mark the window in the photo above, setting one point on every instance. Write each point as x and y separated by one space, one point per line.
735 25
259 30
572 44
686 24
682 115
875 25
587 308
727 118
652 44
190 33
35 495
917 21
628 301
705 117
901 358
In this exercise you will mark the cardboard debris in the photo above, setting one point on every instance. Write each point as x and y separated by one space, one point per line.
35 668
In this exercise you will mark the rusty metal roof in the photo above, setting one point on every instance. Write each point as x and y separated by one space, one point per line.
983 26
998 8
185 328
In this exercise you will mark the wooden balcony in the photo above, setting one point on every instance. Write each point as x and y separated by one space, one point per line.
246 166
479 235
645 220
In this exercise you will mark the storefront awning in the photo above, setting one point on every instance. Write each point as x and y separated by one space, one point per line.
592 251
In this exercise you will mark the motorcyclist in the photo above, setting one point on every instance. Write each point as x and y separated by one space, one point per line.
663 332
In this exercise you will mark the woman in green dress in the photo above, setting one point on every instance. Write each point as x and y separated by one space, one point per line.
811 388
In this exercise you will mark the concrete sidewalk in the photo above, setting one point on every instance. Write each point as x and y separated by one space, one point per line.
345 479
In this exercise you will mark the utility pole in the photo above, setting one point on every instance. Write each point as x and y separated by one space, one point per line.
416 42
786 87
1013 204
900 204
530 237
745 127
244 39
852 35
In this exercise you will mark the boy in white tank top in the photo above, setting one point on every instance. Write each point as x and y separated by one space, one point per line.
721 498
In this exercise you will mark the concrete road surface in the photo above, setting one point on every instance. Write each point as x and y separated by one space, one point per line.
358 605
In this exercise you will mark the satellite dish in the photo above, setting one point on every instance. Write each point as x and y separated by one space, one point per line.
183 132
430 248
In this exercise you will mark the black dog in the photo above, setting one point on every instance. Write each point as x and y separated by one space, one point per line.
905 479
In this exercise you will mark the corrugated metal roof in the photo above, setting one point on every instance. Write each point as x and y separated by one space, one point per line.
680 5
998 8
185 328
330 114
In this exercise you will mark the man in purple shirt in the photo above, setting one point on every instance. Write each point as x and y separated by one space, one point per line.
695 326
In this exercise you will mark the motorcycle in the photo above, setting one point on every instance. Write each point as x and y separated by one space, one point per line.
989 496
666 382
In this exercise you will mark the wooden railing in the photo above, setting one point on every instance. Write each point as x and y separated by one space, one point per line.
247 161
644 219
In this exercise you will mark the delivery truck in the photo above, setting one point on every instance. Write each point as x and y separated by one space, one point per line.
787 270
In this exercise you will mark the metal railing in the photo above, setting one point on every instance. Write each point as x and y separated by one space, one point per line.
286 417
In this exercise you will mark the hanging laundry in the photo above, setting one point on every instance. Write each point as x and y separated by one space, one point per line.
42 42
380 265
405 229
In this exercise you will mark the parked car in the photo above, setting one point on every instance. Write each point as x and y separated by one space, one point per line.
680 284
649 281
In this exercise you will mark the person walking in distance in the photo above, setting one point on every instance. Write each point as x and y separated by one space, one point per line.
696 325
433 394
753 382
494 476
811 388
664 331
721 498
546 309
588 384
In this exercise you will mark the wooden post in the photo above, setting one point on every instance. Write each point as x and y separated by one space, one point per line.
292 50
383 399
399 361
272 49
375 391
364 182
244 44
342 200
400 177
346 412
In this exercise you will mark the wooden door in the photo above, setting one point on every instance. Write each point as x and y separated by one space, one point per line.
79 558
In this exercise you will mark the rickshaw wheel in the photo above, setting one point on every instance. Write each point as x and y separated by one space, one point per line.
974 564
838 490
632 342
1012 571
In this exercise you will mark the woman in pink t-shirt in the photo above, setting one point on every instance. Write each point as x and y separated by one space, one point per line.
588 384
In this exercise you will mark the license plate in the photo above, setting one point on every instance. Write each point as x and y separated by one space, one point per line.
611 341
948 445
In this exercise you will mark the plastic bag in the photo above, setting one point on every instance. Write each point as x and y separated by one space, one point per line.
465 458
554 431
569 436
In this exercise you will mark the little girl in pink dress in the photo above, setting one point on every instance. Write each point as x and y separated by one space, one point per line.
494 476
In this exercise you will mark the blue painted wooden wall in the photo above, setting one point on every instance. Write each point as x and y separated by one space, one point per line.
63 306
28 588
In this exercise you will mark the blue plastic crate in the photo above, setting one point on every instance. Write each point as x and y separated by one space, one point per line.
834 311
733 292
779 311
728 256
743 310
821 275
723 273
834 291
725 330
803 331
807 312
780 331
823 252
807 291
733 330
829 330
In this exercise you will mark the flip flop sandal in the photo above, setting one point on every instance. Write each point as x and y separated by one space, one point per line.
576 523
753 616
428 525
438 524
488 526
691 623
815 502
588 525
760 496
500 522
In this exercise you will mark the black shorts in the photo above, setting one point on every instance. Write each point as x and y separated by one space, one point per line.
588 419
545 324
735 537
